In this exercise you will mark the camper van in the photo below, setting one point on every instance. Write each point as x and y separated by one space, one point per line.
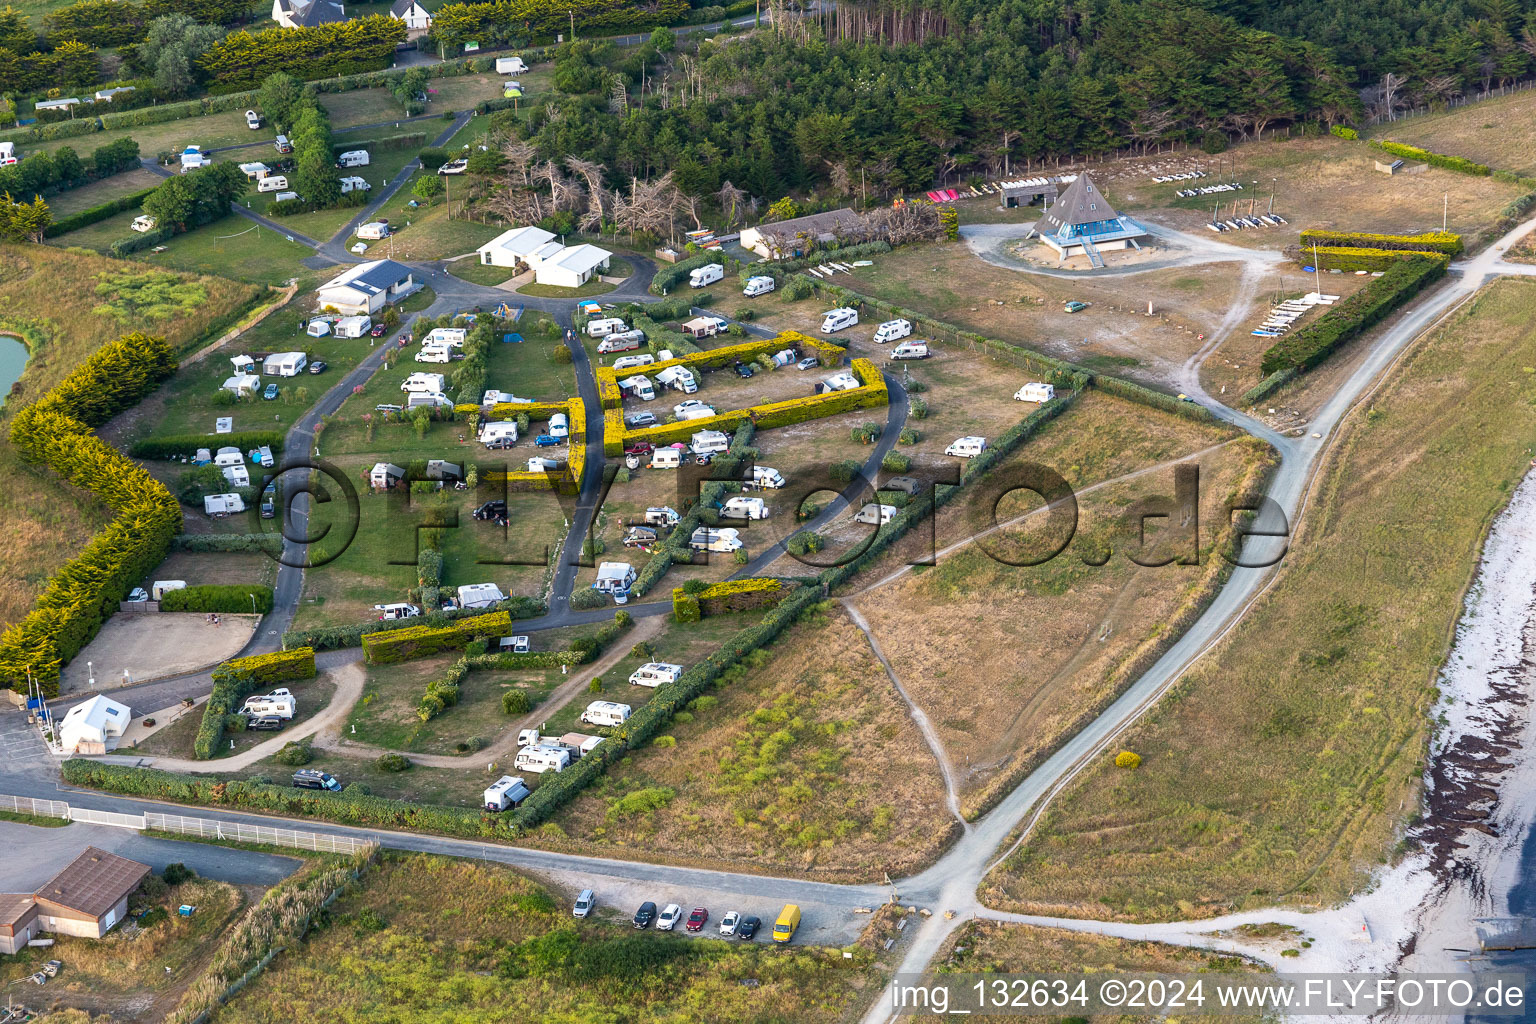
892 330
604 326
452 337
709 442
654 673
741 507
614 578
352 183
272 183
837 382
910 350
421 381
503 432
282 145
510 66
1035 392
838 319
662 515
252 120
7 153
625 342
765 476
399 610
559 425
707 274
434 354
640 387
504 794
693 409
353 158
666 458
967 447
714 538
678 378
542 759
632 362
876 515
373 230
278 702
758 286
605 712
223 504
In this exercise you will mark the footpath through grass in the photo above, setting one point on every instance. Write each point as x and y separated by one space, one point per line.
1280 769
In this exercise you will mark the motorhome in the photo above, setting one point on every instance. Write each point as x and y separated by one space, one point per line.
537 465
159 588
640 387
480 595
604 326
614 578
839 319
892 330
252 120
352 183
764 476
694 411
423 381
654 673
226 457
541 759
632 362
709 442
434 354
143 223
910 350
678 378
713 538
1035 392
453 337
580 742
628 341
661 515
559 425
238 476
705 275
352 327
877 515
272 183
760 285
742 507
223 504
494 396
605 712
504 794
837 382
398 610
967 447
498 431
278 702
353 158
428 400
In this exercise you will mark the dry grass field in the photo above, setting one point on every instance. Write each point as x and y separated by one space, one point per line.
1499 132
1329 681
439 941
50 294
806 760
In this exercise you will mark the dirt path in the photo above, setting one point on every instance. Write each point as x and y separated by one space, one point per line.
506 742
349 687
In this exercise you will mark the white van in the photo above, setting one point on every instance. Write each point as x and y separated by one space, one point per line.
679 378
625 342
967 447
278 702
655 673
715 538
666 458
272 183
630 362
420 381
758 286
707 274
353 158
741 507
434 354
252 120
605 712
697 412
604 326
542 759
498 430
765 476
662 515
453 337
709 442
510 66
399 610
352 183
640 387
1035 392
910 350
839 319
892 330
877 515
506 792
559 425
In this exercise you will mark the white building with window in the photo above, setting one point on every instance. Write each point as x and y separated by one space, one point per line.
93 727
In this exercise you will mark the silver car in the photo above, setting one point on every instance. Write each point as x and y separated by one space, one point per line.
585 901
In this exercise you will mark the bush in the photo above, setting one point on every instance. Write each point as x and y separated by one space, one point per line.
515 702
918 409
586 599
1344 133
596 685
175 874
644 650
844 471
389 646
392 763
865 433
1128 759
560 354
294 755
231 598
896 462
1214 142
669 277
797 289
806 542
1447 242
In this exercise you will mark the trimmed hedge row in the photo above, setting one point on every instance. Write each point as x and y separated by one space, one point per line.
1349 259
85 218
1451 163
139 241
1269 385
1310 345
728 596
670 276
330 638
1447 242
237 679
386 647
215 597
179 446
203 542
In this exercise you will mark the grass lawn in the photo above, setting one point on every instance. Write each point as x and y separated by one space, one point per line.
806 760
104 191
426 232
550 291
443 940
1497 132
1329 680
386 715
479 273
53 292
231 246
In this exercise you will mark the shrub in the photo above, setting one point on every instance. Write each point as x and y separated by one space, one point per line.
909 436
865 433
596 685
586 599
1447 242
1214 142
515 702
560 354
294 755
806 542
390 646
1128 759
896 462
392 763
231 597
175 874
918 409
328 638
180 446
644 650
797 289
1344 133
844 471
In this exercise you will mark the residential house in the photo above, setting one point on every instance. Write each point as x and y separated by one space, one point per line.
93 727
514 246
572 266
787 239
417 21
367 287
307 13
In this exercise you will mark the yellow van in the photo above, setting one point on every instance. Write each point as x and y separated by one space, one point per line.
789 920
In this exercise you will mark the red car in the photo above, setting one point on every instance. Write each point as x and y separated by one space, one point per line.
696 919
379 330
639 448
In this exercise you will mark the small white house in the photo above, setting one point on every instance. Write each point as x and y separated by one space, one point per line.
417 21
514 246
352 327
242 384
480 595
572 266
285 364
93 727
384 475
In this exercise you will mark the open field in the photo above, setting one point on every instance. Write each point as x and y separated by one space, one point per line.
425 231
444 940
1330 678
104 191
53 293
1497 132
231 246
805 760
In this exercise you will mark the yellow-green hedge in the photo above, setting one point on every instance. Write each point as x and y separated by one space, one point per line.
419 641
1350 259
1448 242
728 596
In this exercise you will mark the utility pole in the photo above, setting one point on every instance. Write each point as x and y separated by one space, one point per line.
1445 212
572 13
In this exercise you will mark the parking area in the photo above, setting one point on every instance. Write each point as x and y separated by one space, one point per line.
32 854
137 648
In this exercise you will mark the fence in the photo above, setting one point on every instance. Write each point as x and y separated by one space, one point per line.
36 808
90 817
234 831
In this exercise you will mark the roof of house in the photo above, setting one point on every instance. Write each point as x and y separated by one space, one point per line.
580 258
815 225
370 278
518 241
319 12
1081 203
93 882
96 713
14 907
400 8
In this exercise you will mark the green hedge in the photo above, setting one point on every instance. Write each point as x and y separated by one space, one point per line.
178 446
668 277
85 218
235 680
1310 345
141 240
1343 132
204 542
1348 259
330 638
1451 163
385 647
843 254
1447 242
213 597
1269 385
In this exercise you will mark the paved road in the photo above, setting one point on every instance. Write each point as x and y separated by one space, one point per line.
33 854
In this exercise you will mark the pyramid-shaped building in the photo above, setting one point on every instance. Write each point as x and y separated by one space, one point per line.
1082 222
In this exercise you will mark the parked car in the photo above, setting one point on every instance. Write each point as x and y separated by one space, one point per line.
697 919
318 366
748 928
378 331
584 903
499 443
636 420
743 370
491 510
1075 307
138 594
270 394
686 404
268 509
314 778
670 915
808 363
639 448
729 922
265 723
645 915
